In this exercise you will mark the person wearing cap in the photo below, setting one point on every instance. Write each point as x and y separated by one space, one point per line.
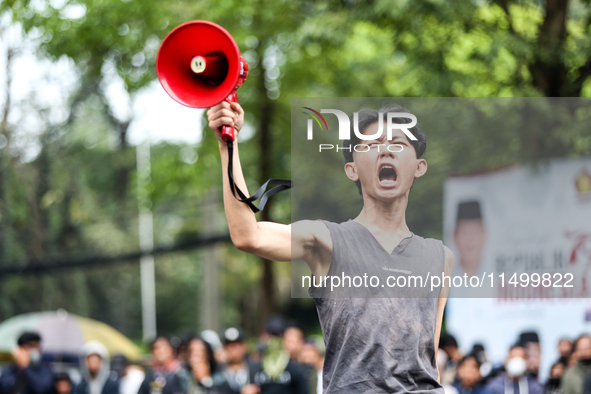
96 371
237 370
28 375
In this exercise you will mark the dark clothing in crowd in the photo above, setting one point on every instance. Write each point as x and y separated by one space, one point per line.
217 385
586 384
238 379
503 384
111 386
291 381
311 376
35 379
480 388
553 386
165 383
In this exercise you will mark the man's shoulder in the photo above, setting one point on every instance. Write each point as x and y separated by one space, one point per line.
496 384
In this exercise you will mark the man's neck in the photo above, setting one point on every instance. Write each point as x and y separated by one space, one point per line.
388 217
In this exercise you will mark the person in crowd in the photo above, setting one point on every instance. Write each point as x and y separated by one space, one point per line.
205 376
28 374
449 345
312 356
237 370
165 375
515 379
565 349
130 376
553 384
531 342
469 378
293 340
182 351
96 372
573 379
62 384
486 367
276 373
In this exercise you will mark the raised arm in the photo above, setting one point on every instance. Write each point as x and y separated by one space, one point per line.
269 240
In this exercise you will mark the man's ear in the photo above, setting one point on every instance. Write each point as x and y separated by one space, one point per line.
351 171
421 168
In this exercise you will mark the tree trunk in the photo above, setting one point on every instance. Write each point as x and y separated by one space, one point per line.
548 70
265 157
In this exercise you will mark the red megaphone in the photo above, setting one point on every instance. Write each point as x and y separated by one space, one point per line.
199 65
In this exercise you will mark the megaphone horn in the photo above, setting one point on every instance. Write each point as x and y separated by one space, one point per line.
199 65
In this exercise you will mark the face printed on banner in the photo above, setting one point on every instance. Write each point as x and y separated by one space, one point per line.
386 169
469 236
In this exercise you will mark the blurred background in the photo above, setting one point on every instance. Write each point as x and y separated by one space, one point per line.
93 151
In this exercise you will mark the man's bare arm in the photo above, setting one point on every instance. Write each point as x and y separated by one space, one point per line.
448 270
269 240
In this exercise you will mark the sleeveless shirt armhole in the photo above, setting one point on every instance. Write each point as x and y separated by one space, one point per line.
315 289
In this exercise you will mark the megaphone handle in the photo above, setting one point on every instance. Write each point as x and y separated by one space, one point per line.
228 133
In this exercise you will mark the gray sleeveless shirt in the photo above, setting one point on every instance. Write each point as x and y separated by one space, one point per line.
379 345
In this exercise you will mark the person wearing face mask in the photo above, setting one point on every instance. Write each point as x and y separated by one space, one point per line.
574 377
28 375
96 371
515 379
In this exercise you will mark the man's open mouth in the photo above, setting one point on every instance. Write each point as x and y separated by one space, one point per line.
387 175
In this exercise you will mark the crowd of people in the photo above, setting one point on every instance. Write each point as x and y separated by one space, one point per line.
284 361
472 373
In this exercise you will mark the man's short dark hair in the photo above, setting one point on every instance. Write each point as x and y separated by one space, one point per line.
366 118
28 338
518 345
446 340
468 357
158 338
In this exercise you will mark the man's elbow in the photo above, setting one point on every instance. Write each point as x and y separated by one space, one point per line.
245 244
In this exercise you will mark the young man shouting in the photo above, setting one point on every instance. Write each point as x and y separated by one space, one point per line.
373 345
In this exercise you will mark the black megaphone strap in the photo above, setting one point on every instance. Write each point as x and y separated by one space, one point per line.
281 184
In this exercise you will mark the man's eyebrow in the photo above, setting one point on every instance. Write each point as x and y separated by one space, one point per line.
395 137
